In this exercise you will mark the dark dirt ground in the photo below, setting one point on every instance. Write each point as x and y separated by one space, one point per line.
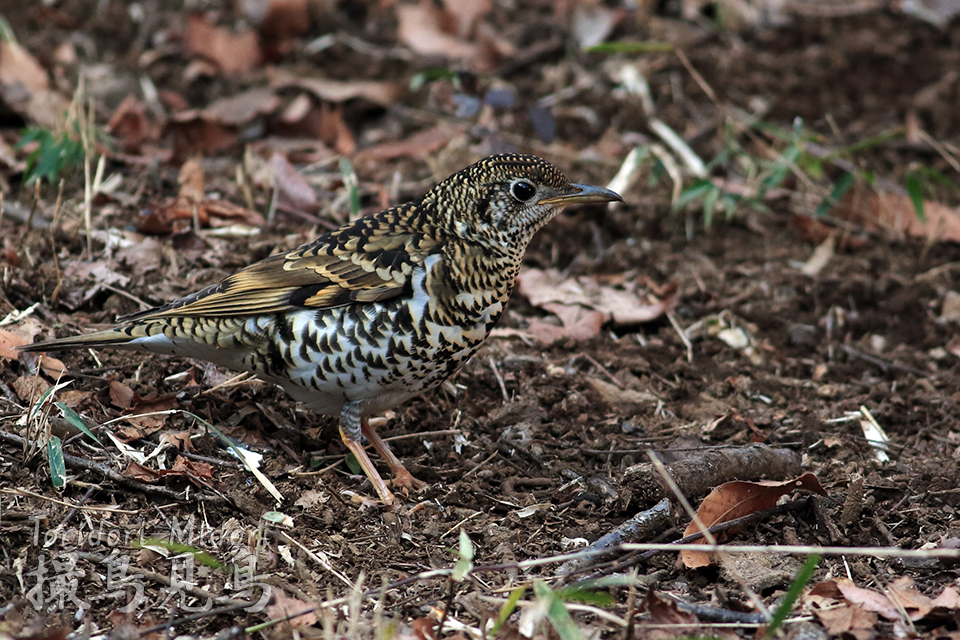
872 330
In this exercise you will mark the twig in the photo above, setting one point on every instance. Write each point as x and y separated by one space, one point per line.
683 335
496 373
89 465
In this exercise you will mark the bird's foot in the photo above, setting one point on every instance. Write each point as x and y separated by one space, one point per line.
405 482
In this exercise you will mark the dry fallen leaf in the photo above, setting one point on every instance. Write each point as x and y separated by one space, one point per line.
736 499
421 27
121 395
848 619
895 214
282 606
294 194
233 53
622 302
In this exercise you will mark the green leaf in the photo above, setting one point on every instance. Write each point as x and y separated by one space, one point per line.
465 563
915 191
698 189
579 594
202 557
839 188
557 614
507 609
796 588
58 470
710 206
425 77
52 155
74 418
354 465
630 46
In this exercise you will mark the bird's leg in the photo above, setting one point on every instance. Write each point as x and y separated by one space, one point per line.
402 477
351 426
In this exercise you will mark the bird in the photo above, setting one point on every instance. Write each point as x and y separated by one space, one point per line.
373 313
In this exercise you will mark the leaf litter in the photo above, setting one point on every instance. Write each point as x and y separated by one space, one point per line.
866 325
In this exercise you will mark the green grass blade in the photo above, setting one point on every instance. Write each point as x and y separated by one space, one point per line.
507 609
915 191
557 614
58 470
74 419
796 588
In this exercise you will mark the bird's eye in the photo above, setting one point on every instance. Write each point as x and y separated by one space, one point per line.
523 190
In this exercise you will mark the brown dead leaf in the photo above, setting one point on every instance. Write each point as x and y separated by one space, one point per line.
848 619
192 132
193 468
867 598
139 472
948 599
285 19
179 214
334 131
625 303
424 629
385 94
904 592
415 146
736 499
10 340
283 606
294 194
191 180
310 499
30 388
615 396
233 53
422 28
577 323
179 440
149 414
241 109
467 13
666 619
894 213
27 85
133 126
121 395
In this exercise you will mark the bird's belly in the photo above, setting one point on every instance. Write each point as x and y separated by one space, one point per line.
379 355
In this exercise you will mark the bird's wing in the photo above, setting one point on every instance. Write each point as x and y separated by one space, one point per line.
338 269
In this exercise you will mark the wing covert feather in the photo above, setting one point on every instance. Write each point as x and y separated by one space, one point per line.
345 266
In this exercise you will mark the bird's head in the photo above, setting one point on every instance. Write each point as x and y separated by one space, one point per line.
502 200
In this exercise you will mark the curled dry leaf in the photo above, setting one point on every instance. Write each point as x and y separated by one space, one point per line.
24 333
736 499
192 469
421 27
34 100
132 125
666 619
610 298
193 206
852 620
282 606
233 53
894 213
294 194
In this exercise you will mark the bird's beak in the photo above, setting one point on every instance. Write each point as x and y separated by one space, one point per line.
584 193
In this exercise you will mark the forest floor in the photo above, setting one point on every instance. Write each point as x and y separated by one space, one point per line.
635 327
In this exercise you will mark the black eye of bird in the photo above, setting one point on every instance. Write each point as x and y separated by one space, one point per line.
523 190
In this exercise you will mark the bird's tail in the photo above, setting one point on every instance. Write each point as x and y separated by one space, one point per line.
117 338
